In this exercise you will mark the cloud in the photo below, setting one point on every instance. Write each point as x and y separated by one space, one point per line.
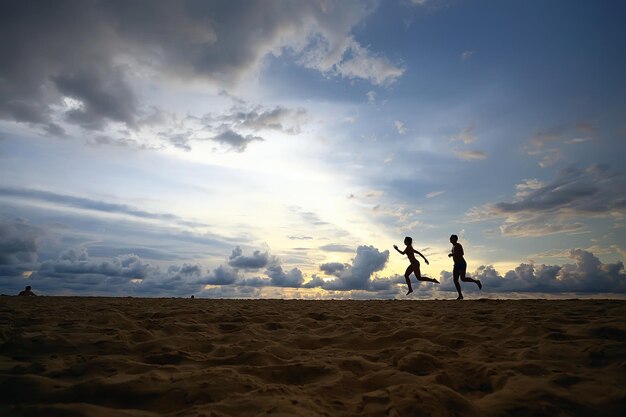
222 276
93 205
467 55
587 274
94 54
361 63
371 96
336 248
299 237
466 136
190 270
434 194
280 278
575 141
470 155
308 217
234 140
260 118
544 144
334 268
73 272
19 244
258 259
549 157
102 95
357 276
546 208
400 127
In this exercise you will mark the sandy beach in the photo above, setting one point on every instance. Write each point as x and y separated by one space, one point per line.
195 357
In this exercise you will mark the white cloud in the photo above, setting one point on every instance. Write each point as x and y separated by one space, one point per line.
470 155
467 55
434 194
400 127
466 136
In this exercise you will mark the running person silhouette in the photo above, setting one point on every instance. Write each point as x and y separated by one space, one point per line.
415 265
460 266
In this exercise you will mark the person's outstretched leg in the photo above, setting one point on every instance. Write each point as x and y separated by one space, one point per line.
408 281
468 279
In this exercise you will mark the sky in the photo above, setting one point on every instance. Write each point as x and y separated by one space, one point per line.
279 149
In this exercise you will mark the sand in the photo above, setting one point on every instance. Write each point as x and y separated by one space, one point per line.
181 357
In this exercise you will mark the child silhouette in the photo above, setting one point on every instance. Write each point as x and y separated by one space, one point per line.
415 265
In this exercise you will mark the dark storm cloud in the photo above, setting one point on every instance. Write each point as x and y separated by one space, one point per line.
85 203
89 51
587 274
258 259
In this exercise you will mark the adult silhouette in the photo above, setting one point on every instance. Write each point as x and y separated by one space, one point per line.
460 266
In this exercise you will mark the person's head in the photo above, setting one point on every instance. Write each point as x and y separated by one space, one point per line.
454 238
408 240
28 288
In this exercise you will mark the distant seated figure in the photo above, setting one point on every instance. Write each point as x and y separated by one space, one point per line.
27 292
192 296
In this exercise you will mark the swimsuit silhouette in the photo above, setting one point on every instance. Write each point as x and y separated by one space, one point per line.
415 265
460 266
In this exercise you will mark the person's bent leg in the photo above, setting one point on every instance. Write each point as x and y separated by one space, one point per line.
468 279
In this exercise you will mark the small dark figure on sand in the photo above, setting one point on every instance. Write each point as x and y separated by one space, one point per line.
27 292
460 266
415 265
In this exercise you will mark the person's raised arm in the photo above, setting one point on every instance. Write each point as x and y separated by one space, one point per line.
425 260
399 251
